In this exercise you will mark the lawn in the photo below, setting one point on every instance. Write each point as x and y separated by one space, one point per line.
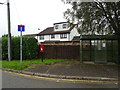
15 64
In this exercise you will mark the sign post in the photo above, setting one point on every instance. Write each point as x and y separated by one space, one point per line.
21 28
42 50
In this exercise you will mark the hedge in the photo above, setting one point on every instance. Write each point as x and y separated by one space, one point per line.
4 47
30 48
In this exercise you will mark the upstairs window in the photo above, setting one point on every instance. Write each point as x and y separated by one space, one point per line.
64 26
63 35
42 37
56 26
52 36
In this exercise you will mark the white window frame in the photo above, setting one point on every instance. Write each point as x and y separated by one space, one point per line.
41 37
63 35
64 26
52 36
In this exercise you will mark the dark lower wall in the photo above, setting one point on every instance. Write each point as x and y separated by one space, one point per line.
62 52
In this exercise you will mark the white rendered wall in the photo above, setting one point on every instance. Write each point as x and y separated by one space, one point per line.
46 38
57 38
73 33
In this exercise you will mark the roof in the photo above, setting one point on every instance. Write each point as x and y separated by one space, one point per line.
46 31
76 38
60 23
30 35
60 32
99 37
50 30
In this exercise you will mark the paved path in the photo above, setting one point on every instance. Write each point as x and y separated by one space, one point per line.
75 68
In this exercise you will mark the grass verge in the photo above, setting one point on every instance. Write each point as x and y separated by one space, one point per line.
15 64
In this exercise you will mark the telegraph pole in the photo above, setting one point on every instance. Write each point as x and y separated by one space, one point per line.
9 33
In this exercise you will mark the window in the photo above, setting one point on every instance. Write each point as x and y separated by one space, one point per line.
63 35
64 26
68 25
42 37
52 36
56 26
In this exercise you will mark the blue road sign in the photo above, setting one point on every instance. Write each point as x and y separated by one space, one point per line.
21 28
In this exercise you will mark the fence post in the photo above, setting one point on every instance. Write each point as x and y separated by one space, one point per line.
81 51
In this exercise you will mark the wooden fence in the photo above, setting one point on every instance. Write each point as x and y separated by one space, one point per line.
62 52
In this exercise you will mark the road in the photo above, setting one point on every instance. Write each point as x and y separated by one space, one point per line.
14 80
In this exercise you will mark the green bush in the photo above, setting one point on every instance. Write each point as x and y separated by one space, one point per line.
29 47
16 48
4 48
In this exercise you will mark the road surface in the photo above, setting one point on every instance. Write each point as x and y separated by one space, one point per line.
14 80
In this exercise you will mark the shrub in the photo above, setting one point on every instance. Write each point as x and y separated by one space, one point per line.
29 47
4 48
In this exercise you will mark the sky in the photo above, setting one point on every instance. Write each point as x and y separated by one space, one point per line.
33 14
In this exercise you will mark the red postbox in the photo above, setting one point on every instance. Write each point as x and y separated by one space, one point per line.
42 48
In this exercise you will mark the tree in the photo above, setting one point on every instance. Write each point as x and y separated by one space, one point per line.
96 17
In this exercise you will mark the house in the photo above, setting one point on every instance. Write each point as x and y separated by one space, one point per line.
30 35
59 32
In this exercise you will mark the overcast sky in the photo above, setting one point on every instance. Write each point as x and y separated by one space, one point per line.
33 14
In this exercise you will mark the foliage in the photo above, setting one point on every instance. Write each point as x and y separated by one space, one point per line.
30 48
5 35
4 47
26 63
97 16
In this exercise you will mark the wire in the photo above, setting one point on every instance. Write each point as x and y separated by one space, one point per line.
5 2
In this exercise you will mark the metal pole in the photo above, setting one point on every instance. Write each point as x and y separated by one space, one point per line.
81 51
42 56
9 33
21 48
